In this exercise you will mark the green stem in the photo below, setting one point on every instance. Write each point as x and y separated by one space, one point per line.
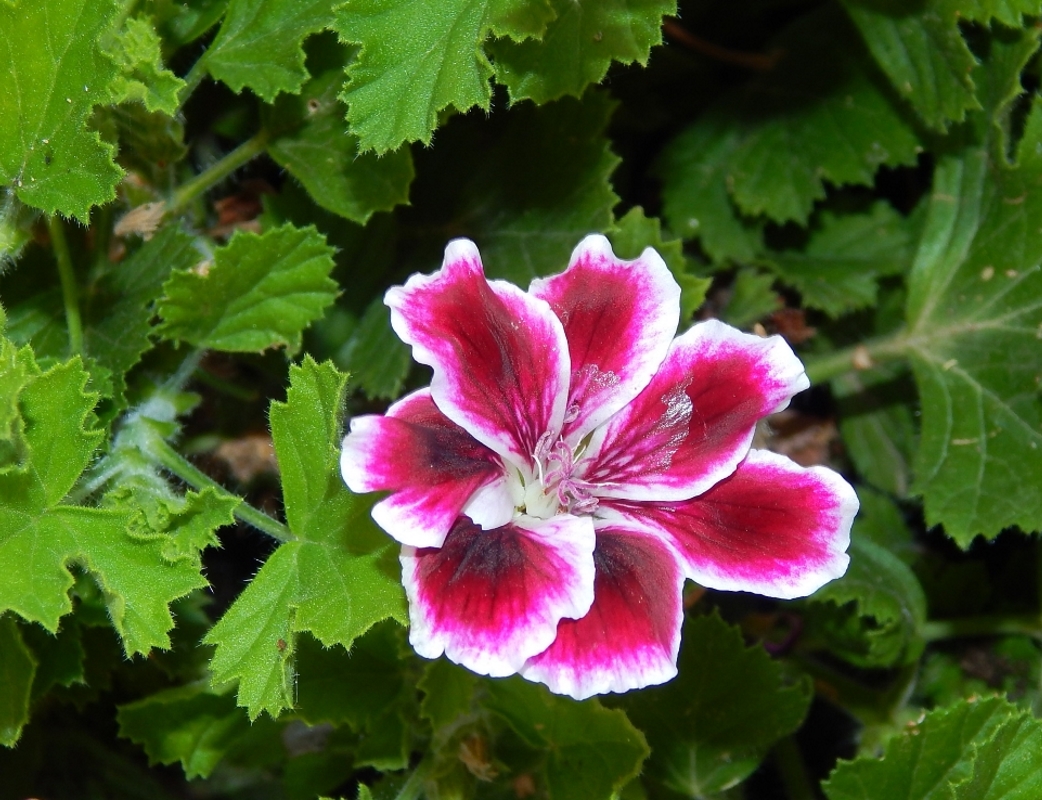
413 787
209 178
793 772
984 625
70 294
174 462
831 365
193 79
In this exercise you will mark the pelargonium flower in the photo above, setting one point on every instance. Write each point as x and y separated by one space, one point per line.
573 463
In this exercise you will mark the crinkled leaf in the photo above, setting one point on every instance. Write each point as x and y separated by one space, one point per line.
41 538
634 232
427 55
310 142
59 657
187 724
923 53
838 268
526 188
336 579
984 750
259 44
711 726
378 360
974 320
591 751
143 78
17 670
1008 12
578 47
54 70
752 297
260 291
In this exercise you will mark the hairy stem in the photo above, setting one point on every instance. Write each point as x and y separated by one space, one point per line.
70 293
209 178
168 458
863 356
192 80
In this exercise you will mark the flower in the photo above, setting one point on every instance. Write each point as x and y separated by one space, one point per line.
572 463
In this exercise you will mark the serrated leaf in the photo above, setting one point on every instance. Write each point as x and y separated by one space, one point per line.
838 269
974 324
1008 12
711 726
261 291
259 44
923 53
526 188
427 54
144 78
310 142
634 232
752 297
17 670
377 359
984 750
578 47
448 693
54 70
40 538
187 724
59 658
339 576
592 752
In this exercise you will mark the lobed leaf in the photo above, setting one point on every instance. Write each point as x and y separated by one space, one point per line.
54 70
144 78
17 672
261 291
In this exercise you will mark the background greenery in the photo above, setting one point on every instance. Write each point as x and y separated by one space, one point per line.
201 204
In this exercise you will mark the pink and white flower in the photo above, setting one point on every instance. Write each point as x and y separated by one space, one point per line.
573 463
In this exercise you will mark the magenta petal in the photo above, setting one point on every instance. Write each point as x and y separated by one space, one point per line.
433 467
773 527
490 599
499 355
631 636
694 422
619 318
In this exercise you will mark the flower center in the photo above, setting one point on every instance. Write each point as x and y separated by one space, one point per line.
554 488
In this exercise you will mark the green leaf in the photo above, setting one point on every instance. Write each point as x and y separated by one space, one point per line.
711 726
974 325
838 268
187 724
144 78
878 608
378 360
984 750
923 53
634 232
1008 12
260 291
752 298
578 47
336 579
427 55
526 188
47 151
591 751
448 693
310 142
259 44
139 575
17 671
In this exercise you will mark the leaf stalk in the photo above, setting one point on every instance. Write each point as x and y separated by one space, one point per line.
224 167
70 292
827 366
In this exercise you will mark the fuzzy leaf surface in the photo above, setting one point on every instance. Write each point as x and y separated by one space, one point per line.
259 44
17 671
579 45
144 78
54 71
428 55
336 579
261 291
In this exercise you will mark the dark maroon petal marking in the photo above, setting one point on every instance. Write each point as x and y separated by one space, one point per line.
499 355
694 422
619 318
490 599
773 527
432 466
631 636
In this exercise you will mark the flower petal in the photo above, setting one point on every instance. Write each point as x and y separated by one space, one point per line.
491 599
499 355
773 527
694 422
434 468
631 636
619 318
